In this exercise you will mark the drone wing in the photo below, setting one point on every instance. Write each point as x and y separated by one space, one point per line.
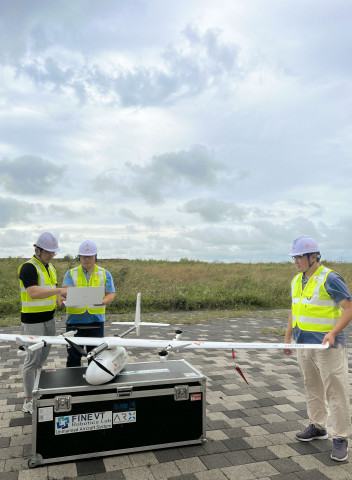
165 344
185 344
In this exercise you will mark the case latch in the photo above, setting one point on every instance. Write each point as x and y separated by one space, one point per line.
124 391
181 392
62 403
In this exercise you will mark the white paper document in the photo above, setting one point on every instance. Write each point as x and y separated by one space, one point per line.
81 296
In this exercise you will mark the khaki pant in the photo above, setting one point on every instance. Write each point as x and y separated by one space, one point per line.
35 360
325 375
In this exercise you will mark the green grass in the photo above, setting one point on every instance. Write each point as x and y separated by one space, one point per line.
184 286
280 332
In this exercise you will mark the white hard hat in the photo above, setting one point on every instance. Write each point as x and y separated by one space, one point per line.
304 244
47 241
87 248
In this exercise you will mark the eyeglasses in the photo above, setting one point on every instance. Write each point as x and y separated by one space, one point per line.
297 257
50 253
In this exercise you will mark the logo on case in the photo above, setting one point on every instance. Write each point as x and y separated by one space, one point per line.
62 423
124 406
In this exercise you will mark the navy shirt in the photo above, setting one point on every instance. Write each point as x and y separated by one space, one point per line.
338 291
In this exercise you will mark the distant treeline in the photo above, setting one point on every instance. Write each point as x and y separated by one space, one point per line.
183 285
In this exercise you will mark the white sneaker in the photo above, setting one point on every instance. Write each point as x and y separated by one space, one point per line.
28 407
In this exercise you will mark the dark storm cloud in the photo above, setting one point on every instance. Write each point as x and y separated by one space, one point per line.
29 175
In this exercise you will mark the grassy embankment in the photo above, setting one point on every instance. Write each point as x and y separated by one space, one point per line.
178 286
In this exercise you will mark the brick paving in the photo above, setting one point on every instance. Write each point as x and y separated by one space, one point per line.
250 429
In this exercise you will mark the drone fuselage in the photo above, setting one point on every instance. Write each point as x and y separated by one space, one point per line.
114 359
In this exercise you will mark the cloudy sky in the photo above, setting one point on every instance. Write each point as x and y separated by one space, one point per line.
176 128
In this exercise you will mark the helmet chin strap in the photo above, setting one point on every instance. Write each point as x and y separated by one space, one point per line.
40 256
310 264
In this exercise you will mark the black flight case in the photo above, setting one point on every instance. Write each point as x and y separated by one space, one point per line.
149 405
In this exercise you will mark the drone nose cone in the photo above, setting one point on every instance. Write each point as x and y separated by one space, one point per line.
96 376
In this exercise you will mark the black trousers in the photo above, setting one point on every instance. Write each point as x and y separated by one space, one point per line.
83 330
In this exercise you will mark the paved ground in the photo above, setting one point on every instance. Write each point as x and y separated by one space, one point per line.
250 429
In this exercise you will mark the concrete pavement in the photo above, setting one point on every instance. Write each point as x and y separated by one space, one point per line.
250 429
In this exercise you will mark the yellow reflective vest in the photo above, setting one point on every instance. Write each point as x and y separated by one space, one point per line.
313 309
45 280
97 279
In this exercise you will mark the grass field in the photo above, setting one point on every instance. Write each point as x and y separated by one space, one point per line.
186 285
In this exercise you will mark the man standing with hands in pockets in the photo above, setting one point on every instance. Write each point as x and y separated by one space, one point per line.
321 309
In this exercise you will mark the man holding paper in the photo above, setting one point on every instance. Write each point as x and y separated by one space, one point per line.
88 320
39 296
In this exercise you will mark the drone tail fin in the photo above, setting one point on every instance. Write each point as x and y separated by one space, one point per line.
137 320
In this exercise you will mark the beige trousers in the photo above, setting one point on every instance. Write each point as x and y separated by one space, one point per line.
325 375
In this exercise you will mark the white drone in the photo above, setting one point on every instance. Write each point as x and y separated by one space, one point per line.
109 356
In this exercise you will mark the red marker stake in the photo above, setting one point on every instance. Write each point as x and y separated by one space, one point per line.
238 368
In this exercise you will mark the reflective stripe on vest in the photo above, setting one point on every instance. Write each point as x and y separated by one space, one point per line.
313 309
45 280
97 279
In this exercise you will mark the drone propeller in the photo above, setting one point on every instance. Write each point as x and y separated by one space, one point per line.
178 334
163 354
89 355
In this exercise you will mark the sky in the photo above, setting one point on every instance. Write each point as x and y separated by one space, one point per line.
169 129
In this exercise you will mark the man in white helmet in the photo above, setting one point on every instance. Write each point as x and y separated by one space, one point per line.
321 309
88 320
39 294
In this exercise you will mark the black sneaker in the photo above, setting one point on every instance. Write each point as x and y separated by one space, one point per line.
312 433
339 449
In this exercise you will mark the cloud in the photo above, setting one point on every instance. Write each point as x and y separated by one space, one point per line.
17 241
213 210
151 222
29 175
166 174
12 211
198 62
58 210
122 89
169 173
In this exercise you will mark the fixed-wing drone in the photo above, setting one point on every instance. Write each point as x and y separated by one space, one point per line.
109 356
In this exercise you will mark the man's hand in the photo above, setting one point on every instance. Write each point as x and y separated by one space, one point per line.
109 297
61 295
289 335
63 292
329 337
342 322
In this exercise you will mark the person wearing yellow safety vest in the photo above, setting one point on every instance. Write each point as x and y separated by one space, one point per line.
321 309
39 294
88 320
